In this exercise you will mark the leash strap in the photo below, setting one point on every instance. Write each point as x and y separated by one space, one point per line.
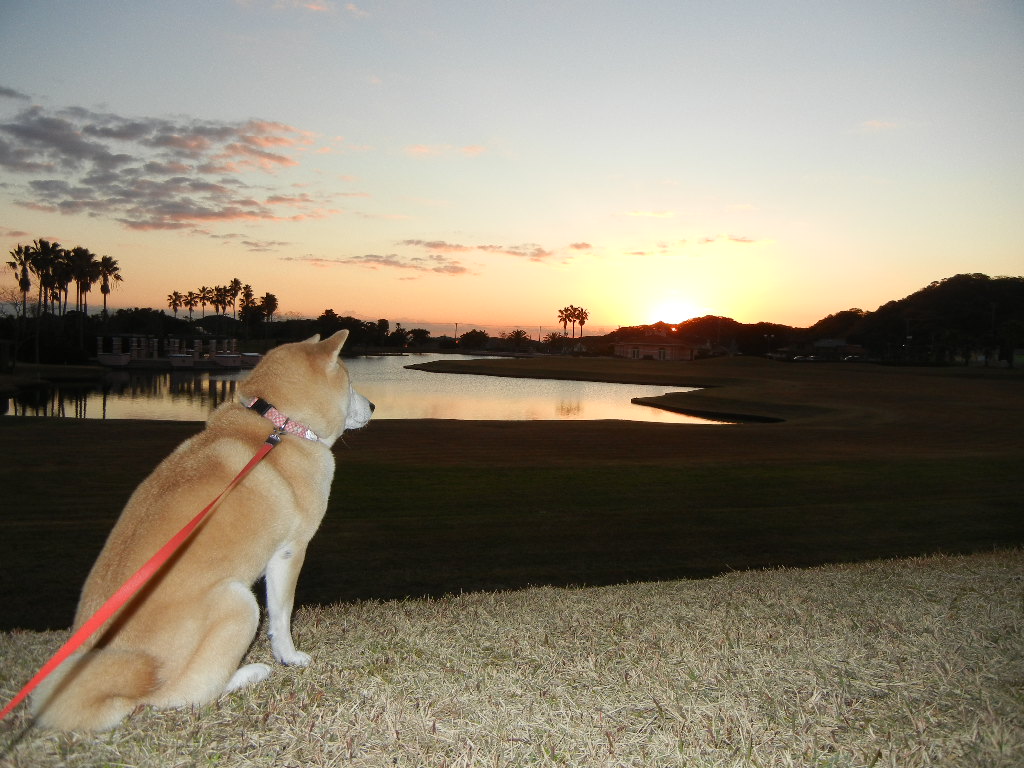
136 581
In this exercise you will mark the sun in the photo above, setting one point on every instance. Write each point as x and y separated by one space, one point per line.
673 309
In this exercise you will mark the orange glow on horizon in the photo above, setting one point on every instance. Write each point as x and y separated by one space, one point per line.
674 310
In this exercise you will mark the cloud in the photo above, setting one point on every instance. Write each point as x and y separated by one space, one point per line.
264 246
356 11
10 93
581 246
424 150
437 245
12 233
727 238
437 150
317 6
436 263
876 126
152 173
530 251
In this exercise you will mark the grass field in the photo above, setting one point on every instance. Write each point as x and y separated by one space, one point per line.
868 462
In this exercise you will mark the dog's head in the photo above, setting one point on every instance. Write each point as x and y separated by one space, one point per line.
308 383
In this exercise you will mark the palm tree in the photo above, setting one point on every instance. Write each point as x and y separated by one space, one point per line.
21 258
233 289
174 301
581 317
573 316
249 303
563 318
109 271
555 339
205 297
269 306
517 338
190 302
44 255
85 271
62 274
20 263
221 299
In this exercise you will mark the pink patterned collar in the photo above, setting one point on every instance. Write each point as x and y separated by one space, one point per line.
279 420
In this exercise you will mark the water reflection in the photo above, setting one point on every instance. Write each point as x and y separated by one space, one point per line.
398 392
176 396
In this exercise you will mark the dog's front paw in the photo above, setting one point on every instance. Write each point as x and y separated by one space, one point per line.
294 659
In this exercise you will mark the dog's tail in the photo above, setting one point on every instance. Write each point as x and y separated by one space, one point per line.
95 690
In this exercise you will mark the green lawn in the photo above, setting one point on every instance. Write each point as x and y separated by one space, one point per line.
397 529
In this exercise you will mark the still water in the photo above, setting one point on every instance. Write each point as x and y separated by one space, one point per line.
399 393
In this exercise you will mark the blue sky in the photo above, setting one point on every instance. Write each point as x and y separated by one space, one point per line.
488 163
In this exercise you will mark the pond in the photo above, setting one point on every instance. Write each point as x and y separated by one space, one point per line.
398 392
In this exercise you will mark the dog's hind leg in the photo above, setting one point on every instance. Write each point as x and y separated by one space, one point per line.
95 690
232 617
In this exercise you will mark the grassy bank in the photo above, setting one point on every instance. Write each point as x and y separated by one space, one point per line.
890 663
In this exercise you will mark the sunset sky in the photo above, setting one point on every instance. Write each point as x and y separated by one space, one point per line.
488 163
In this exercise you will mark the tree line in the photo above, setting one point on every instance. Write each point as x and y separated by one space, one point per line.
248 309
46 273
56 269
48 270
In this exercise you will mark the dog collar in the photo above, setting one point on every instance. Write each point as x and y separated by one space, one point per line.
279 420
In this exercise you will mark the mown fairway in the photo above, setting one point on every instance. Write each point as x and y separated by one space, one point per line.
868 462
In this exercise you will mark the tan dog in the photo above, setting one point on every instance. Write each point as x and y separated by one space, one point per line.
181 639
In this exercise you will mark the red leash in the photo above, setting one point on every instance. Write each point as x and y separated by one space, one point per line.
136 582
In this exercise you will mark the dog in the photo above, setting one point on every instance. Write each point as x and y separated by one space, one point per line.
180 640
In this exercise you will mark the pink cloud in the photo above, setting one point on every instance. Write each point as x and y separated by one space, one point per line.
423 150
435 150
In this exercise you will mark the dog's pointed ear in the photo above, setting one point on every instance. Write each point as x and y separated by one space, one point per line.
314 339
336 342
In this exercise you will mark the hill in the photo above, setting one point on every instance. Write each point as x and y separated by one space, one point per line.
961 318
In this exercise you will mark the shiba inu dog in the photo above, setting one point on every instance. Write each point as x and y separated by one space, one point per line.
180 640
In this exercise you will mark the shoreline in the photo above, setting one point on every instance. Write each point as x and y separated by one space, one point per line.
795 410
955 409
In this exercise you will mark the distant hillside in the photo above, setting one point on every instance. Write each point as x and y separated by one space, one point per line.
952 320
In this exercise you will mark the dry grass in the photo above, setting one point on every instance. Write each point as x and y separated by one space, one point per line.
891 663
